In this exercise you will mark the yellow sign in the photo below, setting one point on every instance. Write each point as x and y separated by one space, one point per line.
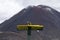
33 27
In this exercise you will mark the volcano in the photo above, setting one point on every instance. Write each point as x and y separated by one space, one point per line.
40 14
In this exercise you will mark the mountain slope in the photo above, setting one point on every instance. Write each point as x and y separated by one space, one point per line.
40 14
11 36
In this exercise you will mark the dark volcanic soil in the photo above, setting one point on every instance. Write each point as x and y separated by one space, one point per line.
11 36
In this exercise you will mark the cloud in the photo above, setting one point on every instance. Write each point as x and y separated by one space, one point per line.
51 3
8 8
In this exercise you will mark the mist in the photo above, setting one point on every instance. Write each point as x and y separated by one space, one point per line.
8 8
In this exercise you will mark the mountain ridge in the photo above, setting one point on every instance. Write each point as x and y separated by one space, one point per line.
40 14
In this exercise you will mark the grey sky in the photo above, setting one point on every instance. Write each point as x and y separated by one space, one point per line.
8 8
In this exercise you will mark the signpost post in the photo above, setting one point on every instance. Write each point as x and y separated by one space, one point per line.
29 27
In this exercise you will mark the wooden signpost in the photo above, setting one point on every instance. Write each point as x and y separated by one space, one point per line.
29 27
